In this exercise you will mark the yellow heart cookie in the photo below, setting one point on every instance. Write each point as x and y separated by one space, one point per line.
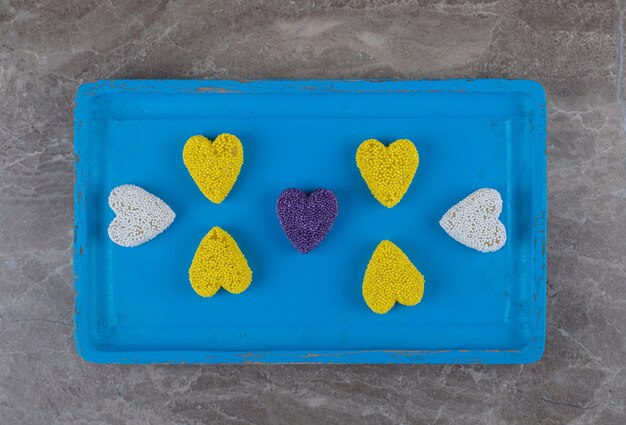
391 277
214 166
387 170
219 263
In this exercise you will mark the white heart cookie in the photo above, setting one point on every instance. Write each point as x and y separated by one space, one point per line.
140 216
474 221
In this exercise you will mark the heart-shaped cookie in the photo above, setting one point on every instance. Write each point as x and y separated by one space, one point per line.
387 170
140 216
307 219
475 223
391 277
214 166
219 263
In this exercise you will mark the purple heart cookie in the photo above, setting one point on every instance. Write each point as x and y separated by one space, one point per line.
307 219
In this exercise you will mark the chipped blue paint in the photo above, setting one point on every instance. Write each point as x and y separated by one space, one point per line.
136 305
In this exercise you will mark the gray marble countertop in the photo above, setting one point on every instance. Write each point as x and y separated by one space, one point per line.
574 48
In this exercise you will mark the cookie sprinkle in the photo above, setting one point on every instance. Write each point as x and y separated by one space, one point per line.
391 277
474 221
219 263
307 219
140 215
214 166
387 170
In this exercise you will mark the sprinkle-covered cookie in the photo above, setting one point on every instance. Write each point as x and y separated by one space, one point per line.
307 219
475 223
391 277
140 216
387 170
219 263
214 166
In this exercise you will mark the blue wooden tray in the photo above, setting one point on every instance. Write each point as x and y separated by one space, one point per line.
137 306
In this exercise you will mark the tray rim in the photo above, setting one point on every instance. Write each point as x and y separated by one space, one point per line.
528 354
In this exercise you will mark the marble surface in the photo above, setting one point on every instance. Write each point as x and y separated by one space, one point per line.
575 48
